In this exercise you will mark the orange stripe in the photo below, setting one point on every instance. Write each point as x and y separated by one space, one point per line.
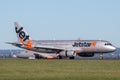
50 57
29 44
93 43
77 52
21 41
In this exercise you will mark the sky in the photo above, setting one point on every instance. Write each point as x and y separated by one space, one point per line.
61 20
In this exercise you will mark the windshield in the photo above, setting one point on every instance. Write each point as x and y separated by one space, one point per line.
108 44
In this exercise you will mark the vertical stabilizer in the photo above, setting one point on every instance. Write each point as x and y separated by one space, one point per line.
22 35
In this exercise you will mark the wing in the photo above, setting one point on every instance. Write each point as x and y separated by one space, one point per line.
43 49
47 49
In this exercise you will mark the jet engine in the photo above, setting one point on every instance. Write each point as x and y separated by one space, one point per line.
67 53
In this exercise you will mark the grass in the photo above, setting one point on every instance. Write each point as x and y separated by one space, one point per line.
18 69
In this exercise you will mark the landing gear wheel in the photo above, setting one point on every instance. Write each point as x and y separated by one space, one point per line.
59 57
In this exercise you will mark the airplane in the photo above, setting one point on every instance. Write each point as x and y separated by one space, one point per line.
61 48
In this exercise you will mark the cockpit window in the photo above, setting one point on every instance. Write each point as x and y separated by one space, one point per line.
108 44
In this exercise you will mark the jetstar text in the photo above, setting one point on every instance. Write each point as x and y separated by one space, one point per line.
22 34
82 44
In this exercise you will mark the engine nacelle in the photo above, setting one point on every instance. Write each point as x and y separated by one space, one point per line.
86 54
67 53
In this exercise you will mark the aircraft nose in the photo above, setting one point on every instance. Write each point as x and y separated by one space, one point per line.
111 48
